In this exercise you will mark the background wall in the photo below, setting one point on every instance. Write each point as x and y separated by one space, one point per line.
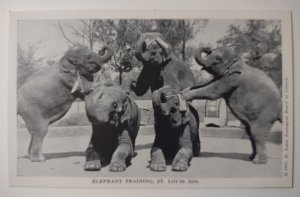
6 5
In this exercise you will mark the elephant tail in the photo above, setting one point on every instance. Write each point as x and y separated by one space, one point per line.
280 116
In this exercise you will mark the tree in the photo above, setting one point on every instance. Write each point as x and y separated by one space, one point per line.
123 34
260 40
120 34
88 32
128 33
26 64
178 32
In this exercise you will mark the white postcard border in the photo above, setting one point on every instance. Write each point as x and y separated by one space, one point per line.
287 97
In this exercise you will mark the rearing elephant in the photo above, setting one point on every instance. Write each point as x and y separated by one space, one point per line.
49 93
161 67
250 94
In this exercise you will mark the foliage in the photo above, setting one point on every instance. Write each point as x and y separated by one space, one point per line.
122 35
178 32
260 42
26 64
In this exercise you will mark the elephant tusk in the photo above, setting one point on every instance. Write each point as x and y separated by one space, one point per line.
75 87
182 103
78 83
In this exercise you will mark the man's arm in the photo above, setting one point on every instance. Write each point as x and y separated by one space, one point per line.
142 84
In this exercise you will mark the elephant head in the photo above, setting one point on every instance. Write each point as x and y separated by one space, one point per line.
152 49
170 107
108 105
217 61
85 61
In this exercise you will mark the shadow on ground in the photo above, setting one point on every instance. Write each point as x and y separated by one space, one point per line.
239 156
60 155
143 146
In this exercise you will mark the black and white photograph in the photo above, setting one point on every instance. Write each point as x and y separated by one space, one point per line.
150 99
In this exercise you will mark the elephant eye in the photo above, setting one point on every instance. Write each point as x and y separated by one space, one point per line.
88 57
219 58
153 53
114 105
173 110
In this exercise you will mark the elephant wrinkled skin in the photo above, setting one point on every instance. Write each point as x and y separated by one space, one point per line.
176 131
48 94
161 67
115 119
250 94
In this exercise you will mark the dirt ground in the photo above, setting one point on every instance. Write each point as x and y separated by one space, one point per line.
220 158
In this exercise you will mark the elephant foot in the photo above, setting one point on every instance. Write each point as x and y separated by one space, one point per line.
262 159
158 167
180 166
37 158
93 165
196 152
117 166
252 156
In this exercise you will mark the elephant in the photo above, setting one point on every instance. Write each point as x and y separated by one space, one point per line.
161 67
115 119
49 93
250 94
176 131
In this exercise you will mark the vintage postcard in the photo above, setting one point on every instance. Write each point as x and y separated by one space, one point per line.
151 99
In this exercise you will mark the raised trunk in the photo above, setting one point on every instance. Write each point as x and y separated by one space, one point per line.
156 97
107 55
198 56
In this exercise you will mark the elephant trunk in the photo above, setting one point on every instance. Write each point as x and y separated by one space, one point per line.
198 55
156 98
159 101
103 58
101 115
165 109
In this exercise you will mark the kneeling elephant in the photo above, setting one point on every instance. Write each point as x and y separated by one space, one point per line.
115 119
176 131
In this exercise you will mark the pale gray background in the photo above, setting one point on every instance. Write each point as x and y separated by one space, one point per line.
6 5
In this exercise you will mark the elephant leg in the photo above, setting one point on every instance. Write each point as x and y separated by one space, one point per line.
35 148
185 153
38 129
196 146
158 161
122 154
248 131
258 132
92 162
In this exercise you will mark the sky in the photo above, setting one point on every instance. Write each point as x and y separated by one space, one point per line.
46 36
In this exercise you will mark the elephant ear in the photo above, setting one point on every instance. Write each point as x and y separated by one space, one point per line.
127 111
186 116
89 106
184 108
